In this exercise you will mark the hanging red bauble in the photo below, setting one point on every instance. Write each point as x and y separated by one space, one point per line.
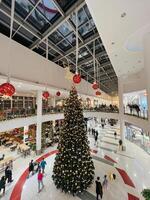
98 93
95 86
46 94
58 93
7 89
77 78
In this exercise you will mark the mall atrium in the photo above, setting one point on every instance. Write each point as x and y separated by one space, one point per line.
74 99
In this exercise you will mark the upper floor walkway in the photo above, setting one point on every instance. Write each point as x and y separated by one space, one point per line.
21 121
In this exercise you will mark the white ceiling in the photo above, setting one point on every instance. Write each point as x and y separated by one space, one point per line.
122 25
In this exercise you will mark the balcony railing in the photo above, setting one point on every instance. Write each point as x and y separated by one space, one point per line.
136 112
20 113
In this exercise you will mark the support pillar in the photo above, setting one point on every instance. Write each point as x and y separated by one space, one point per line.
147 72
54 102
39 122
121 112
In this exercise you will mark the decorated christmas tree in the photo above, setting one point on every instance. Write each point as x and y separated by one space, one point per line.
73 169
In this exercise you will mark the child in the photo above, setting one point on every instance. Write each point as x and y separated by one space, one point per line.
40 180
43 164
105 183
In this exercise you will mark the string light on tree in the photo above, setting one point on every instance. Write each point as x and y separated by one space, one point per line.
73 169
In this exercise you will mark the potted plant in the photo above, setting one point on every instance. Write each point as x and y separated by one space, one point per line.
146 194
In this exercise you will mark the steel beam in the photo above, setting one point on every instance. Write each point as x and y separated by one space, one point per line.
58 23
81 45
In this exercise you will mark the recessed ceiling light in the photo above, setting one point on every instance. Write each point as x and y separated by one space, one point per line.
123 14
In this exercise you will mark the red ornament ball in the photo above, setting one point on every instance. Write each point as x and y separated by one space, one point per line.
98 93
95 86
7 89
46 94
58 93
77 78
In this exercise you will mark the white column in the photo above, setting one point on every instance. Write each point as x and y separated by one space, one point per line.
54 102
26 128
39 120
121 111
147 71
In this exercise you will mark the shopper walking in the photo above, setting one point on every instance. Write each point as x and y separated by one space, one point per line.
105 183
2 184
120 145
8 174
40 181
115 135
31 168
99 189
96 138
43 164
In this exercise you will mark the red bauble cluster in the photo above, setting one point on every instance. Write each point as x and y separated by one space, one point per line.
46 94
98 93
95 86
7 89
77 78
58 93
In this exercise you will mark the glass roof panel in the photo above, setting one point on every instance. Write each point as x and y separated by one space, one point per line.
51 51
87 28
37 20
82 17
55 37
83 53
72 38
27 34
87 11
66 4
65 29
21 7
64 45
48 9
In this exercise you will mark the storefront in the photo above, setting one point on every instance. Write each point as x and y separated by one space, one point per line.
138 136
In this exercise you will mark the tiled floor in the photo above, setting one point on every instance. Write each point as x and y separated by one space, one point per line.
134 161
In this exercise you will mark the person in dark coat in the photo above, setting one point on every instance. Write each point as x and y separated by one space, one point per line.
2 184
31 167
99 189
8 174
115 135
97 133
96 138
120 145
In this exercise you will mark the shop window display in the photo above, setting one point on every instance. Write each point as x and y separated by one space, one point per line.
138 136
